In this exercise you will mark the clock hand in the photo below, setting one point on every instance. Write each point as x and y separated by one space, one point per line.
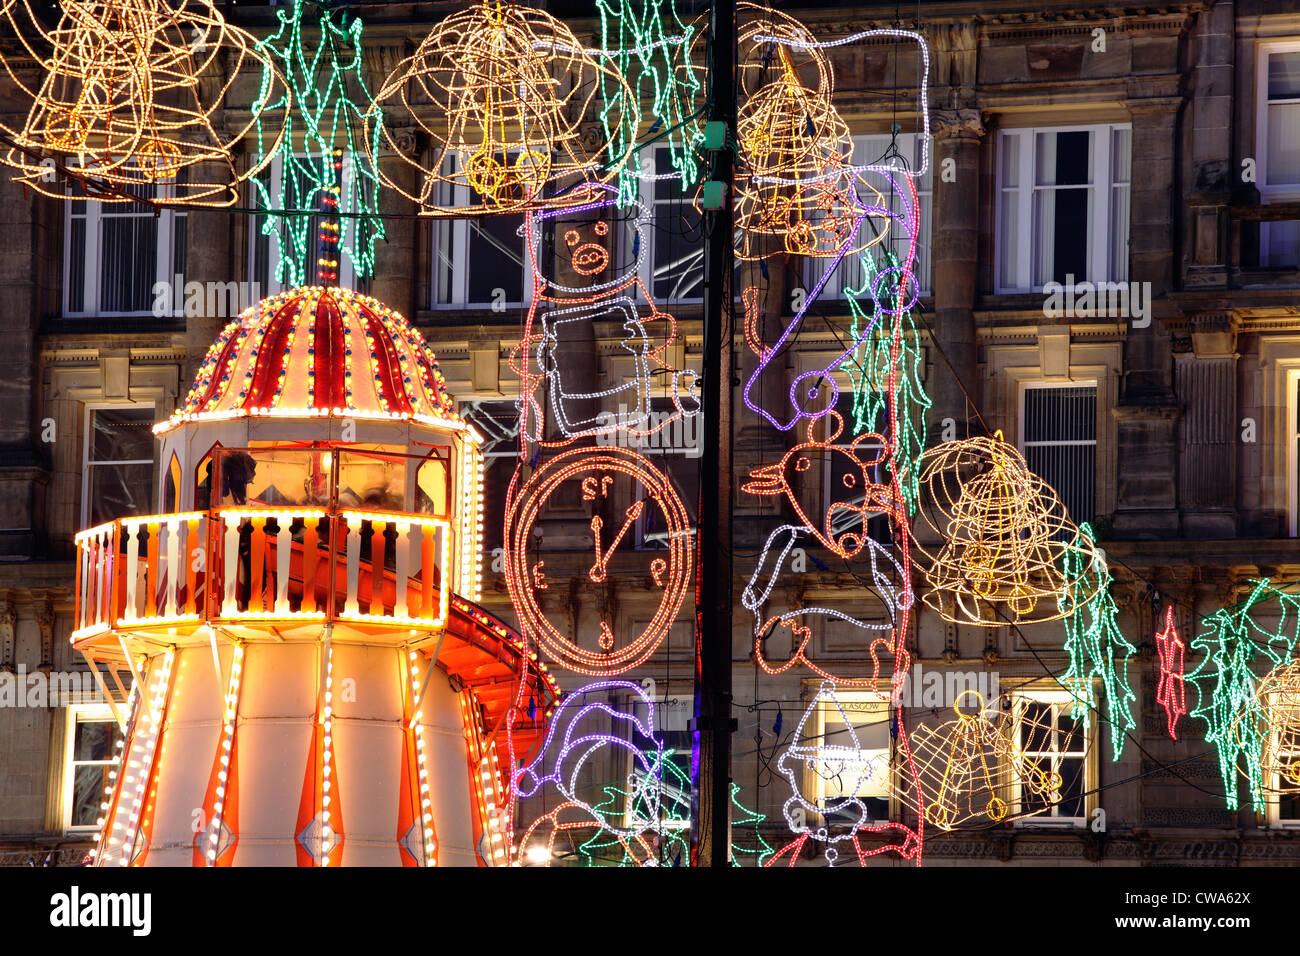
597 572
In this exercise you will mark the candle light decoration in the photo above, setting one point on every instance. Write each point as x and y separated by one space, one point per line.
125 99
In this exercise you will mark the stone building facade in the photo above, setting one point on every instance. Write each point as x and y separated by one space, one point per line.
1173 426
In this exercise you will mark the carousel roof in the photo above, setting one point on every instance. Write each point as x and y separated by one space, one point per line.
318 352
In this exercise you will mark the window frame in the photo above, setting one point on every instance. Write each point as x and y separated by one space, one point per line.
814 783
87 464
661 702
908 144
646 195
1023 445
1100 214
93 212
1269 192
1049 820
455 232
78 714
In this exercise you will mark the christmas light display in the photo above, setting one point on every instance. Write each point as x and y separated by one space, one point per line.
598 291
323 167
1237 647
877 564
887 371
975 767
1006 549
1277 711
1171 692
125 99
501 92
651 47
859 496
1098 650
846 765
582 733
351 355
894 292
600 477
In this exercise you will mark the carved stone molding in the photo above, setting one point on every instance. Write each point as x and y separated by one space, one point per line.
45 623
8 624
956 123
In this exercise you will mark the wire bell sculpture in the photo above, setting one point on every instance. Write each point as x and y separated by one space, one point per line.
500 93
124 101
991 538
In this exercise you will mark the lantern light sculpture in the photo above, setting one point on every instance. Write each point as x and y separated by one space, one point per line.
125 98
312 670
501 92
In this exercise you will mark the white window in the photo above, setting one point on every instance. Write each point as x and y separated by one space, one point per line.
115 255
672 719
265 252
672 268
478 263
93 741
1058 435
866 778
1051 742
498 422
849 274
1063 206
117 480
675 450
1277 147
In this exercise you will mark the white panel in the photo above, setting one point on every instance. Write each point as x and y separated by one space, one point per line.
449 791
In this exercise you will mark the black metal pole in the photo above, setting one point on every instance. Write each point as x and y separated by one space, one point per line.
711 768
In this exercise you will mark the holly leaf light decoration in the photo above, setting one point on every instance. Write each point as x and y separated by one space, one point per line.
1097 649
1239 645
327 200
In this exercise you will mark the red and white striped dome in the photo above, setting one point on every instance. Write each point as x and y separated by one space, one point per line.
314 352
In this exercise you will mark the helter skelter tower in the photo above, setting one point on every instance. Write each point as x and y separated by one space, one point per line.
314 683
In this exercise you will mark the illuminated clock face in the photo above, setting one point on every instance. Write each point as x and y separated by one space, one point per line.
617 488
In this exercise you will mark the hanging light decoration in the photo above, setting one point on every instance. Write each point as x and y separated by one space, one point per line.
972 769
502 93
1276 716
992 538
124 100
1235 645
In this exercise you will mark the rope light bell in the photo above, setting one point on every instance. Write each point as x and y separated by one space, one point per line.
124 99
501 92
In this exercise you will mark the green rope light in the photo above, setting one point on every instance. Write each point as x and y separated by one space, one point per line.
323 159
868 371
674 820
1097 648
1237 649
652 49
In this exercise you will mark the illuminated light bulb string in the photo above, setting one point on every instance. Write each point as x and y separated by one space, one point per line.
324 165
123 108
